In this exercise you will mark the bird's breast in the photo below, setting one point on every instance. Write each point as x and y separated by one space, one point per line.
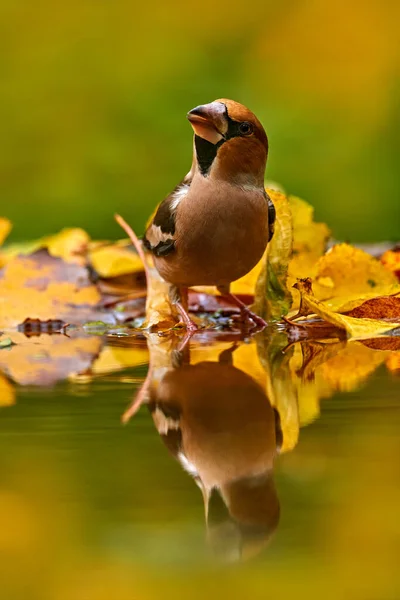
221 234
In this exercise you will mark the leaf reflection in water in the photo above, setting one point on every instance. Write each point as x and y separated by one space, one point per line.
226 407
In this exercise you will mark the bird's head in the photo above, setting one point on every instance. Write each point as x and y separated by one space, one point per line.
230 142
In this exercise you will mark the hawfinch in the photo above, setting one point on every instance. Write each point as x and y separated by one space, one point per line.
214 227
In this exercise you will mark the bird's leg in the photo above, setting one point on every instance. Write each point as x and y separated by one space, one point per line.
244 310
179 297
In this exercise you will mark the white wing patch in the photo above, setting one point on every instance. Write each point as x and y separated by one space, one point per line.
178 196
154 235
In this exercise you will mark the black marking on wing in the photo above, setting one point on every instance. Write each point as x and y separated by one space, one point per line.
163 248
165 217
271 217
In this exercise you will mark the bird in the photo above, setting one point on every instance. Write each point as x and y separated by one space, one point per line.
213 228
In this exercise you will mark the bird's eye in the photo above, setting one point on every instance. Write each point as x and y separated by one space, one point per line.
245 128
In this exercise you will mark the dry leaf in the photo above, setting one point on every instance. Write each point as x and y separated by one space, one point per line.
42 287
114 259
346 276
355 328
69 244
272 298
309 241
391 261
382 307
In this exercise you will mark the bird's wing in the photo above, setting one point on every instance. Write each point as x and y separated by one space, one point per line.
160 235
271 217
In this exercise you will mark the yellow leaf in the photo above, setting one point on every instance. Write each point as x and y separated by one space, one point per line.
5 228
355 328
69 244
391 260
309 241
272 298
112 260
43 287
347 276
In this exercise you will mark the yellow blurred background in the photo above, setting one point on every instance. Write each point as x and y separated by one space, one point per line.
94 96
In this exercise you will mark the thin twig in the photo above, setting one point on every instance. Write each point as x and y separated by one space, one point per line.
136 243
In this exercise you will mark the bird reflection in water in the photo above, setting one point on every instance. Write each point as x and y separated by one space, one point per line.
217 421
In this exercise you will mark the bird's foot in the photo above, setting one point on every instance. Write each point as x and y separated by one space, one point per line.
257 320
190 325
247 314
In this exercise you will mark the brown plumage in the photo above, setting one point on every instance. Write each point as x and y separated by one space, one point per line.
215 225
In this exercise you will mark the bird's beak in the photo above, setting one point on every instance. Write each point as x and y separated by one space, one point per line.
209 121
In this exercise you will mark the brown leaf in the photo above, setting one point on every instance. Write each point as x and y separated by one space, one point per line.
382 307
355 328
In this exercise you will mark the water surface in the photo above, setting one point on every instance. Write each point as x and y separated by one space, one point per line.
250 469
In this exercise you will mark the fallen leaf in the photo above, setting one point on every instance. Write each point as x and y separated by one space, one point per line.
42 287
346 276
355 328
382 307
114 259
391 261
272 298
309 241
69 244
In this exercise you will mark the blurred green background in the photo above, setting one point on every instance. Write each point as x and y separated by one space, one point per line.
94 96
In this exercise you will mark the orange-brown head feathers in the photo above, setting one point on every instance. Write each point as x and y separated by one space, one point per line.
230 142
